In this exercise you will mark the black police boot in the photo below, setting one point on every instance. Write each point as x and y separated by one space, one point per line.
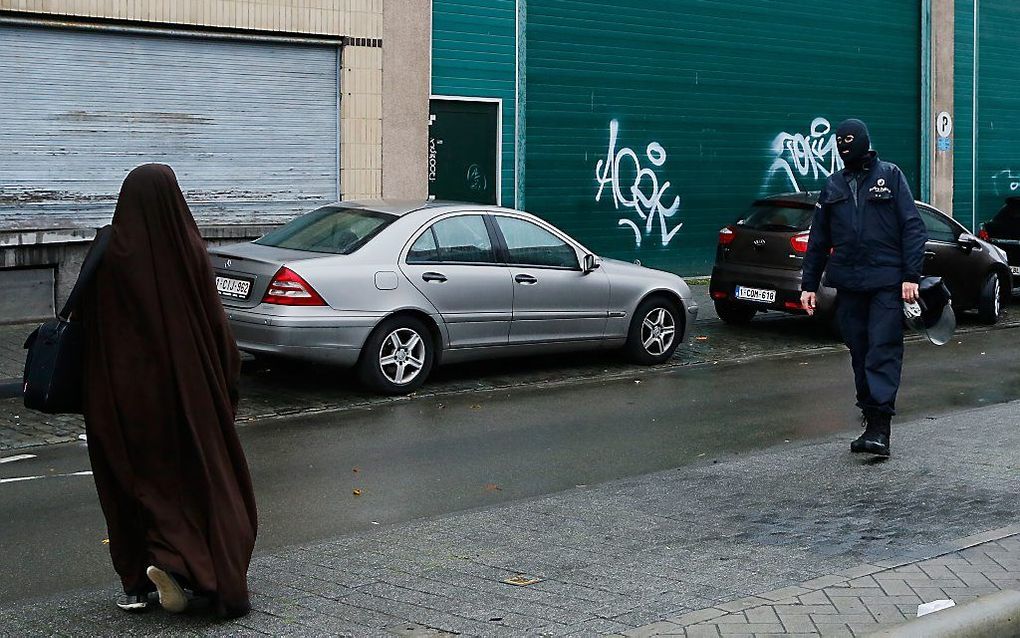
875 439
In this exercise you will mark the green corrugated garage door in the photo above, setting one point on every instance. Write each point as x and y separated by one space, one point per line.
997 171
650 126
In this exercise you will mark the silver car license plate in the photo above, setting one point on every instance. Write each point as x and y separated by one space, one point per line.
755 294
233 288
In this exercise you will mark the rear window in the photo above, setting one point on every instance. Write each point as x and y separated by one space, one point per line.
333 229
763 216
1009 213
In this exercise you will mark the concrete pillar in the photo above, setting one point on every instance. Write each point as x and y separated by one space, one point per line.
942 58
407 81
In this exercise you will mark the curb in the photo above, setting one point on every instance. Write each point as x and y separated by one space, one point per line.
991 616
10 388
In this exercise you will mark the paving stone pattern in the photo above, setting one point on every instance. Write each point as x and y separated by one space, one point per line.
858 601
793 527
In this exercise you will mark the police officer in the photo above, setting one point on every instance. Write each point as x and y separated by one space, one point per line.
868 232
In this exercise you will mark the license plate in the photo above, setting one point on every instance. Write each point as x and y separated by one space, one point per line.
233 288
1015 270
755 294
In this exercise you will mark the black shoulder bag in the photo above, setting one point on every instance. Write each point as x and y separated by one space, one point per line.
53 367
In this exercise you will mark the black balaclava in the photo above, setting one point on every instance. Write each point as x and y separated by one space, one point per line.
853 142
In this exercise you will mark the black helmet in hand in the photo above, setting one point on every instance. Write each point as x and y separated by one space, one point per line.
933 316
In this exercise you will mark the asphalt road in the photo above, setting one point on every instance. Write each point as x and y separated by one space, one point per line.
437 455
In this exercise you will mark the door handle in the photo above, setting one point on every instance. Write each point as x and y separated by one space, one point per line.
437 277
526 280
929 254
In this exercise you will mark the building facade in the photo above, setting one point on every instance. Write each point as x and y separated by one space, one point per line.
264 108
644 129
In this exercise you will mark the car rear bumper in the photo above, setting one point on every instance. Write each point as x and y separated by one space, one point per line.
786 283
331 336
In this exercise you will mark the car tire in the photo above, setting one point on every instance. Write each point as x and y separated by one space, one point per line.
655 331
397 357
990 302
735 314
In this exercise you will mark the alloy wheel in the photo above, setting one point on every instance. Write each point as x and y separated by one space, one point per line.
658 330
402 356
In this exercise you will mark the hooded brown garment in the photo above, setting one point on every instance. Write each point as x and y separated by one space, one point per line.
161 373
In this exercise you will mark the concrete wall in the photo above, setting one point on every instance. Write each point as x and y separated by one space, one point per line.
407 44
24 254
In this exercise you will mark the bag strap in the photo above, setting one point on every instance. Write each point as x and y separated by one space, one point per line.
88 270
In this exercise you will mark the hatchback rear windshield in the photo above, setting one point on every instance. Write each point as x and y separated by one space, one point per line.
1010 212
333 229
763 216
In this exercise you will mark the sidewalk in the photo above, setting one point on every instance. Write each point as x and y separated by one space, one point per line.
827 544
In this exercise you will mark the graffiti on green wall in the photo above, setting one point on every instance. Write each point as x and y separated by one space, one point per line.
637 188
1007 183
802 158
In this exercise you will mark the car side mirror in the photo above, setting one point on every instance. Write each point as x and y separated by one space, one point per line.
967 241
591 263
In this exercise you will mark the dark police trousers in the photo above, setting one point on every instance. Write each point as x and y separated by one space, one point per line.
872 326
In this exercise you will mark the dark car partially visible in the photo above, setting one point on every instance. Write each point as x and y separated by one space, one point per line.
1003 230
760 256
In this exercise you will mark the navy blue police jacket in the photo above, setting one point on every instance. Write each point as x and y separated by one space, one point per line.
873 241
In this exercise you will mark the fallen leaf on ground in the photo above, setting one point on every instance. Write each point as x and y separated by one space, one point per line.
492 487
357 469
476 407
106 541
701 338
522 581
357 492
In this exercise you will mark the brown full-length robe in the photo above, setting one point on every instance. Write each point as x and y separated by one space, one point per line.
161 373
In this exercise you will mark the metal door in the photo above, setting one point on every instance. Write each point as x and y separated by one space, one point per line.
453 262
464 151
553 299
250 128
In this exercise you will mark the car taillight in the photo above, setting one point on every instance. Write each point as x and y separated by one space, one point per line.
983 234
799 242
289 289
726 236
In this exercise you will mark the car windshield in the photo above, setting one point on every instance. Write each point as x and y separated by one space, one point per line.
333 229
779 217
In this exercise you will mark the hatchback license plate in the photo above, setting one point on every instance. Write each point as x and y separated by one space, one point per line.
756 294
233 288
1015 270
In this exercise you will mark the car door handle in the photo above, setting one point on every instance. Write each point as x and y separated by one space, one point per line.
437 277
526 280
929 254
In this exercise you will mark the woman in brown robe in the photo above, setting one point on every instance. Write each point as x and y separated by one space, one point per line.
160 396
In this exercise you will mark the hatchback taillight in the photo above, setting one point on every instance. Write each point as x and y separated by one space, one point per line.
983 234
799 242
726 236
289 289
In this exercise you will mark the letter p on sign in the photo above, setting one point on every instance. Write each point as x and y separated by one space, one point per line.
943 124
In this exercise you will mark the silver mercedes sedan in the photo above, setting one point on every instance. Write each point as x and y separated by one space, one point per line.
396 288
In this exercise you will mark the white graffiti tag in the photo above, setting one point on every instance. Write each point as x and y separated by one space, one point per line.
644 195
1007 183
810 156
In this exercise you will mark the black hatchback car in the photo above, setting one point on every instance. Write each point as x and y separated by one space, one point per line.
1003 230
759 259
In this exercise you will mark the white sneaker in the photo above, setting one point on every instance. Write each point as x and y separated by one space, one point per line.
171 596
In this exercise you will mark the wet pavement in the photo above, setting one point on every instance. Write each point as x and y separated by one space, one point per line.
295 389
783 524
